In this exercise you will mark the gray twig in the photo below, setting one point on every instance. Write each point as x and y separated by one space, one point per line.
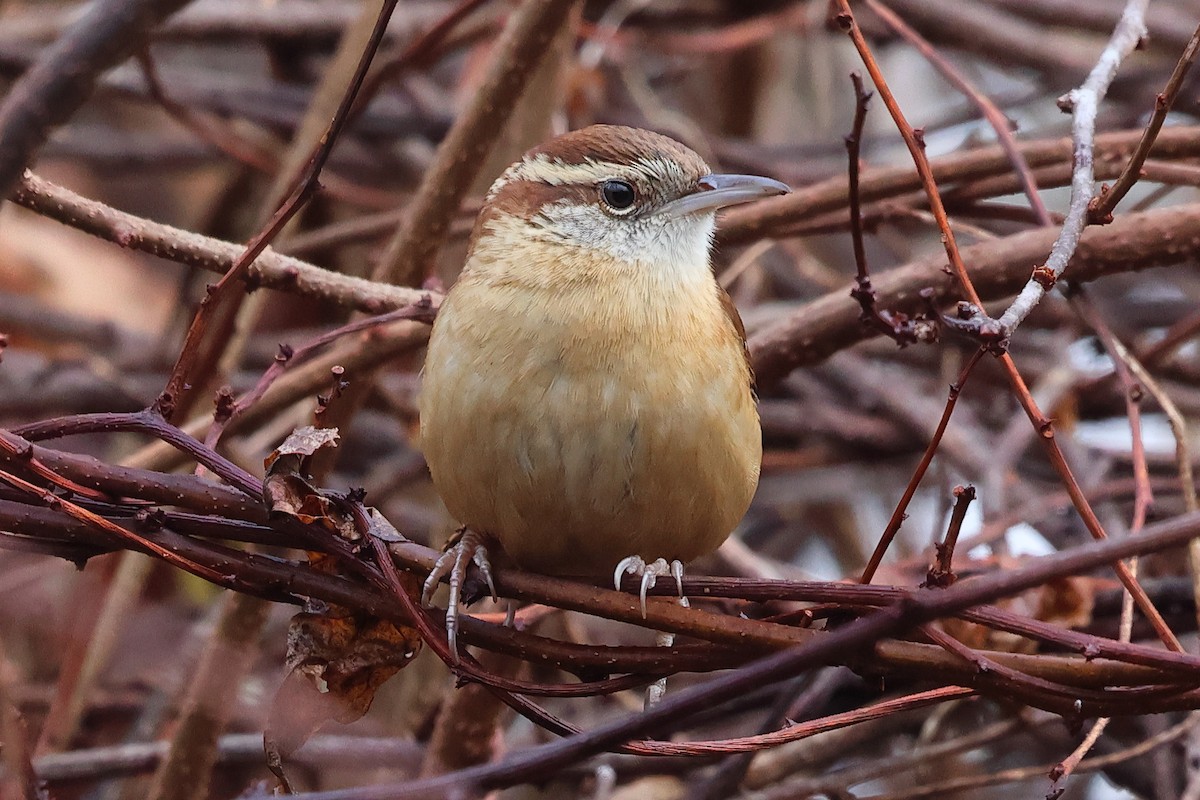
1084 103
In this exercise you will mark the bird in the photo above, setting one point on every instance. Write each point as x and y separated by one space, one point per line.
587 402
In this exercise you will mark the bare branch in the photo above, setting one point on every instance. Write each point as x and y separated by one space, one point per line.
1084 104
269 269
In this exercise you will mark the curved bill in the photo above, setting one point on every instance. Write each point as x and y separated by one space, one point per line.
718 191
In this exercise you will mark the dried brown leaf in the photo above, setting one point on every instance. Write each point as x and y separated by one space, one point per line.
337 661
303 442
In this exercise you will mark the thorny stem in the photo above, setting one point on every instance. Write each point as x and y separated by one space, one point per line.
100 523
147 422
193 493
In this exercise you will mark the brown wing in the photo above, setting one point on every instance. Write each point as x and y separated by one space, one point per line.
736 318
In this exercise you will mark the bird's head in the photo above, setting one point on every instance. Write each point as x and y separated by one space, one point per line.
603 201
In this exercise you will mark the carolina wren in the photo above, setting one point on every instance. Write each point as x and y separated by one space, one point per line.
587 395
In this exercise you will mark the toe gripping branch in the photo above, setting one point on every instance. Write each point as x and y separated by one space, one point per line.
650 573
465 548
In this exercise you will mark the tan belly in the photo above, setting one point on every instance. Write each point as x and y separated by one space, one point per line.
579 454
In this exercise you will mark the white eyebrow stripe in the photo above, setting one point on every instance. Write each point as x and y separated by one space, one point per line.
558 173
555 172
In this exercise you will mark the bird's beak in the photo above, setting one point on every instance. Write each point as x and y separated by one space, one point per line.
717 191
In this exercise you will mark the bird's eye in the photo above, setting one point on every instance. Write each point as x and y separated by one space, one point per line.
618 195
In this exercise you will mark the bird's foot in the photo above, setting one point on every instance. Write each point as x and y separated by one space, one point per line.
650 573
465 548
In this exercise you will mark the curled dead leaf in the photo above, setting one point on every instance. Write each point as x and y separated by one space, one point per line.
302 443
337 660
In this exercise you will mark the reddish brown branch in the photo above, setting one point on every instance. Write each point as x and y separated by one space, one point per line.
777 215
991 112
1100 208
539 762
994 334
816 330
901 510
941 574
916 149
303 187
270 269
901 328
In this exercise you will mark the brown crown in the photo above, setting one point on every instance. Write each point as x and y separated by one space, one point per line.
621 145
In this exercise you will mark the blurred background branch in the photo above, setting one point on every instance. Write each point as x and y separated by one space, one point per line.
141 149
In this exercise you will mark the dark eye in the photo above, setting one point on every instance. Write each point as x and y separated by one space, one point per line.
619 195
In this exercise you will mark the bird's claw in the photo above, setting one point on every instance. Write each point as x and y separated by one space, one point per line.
453 564
650 573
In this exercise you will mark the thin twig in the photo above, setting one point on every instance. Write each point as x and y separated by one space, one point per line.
324 751
942 571
1183 454
901 328
221 137
901 511
1084 103
1176 336
1100 208
306 183
945 788
991 112
1058 460
1142 499
416 53
915 145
